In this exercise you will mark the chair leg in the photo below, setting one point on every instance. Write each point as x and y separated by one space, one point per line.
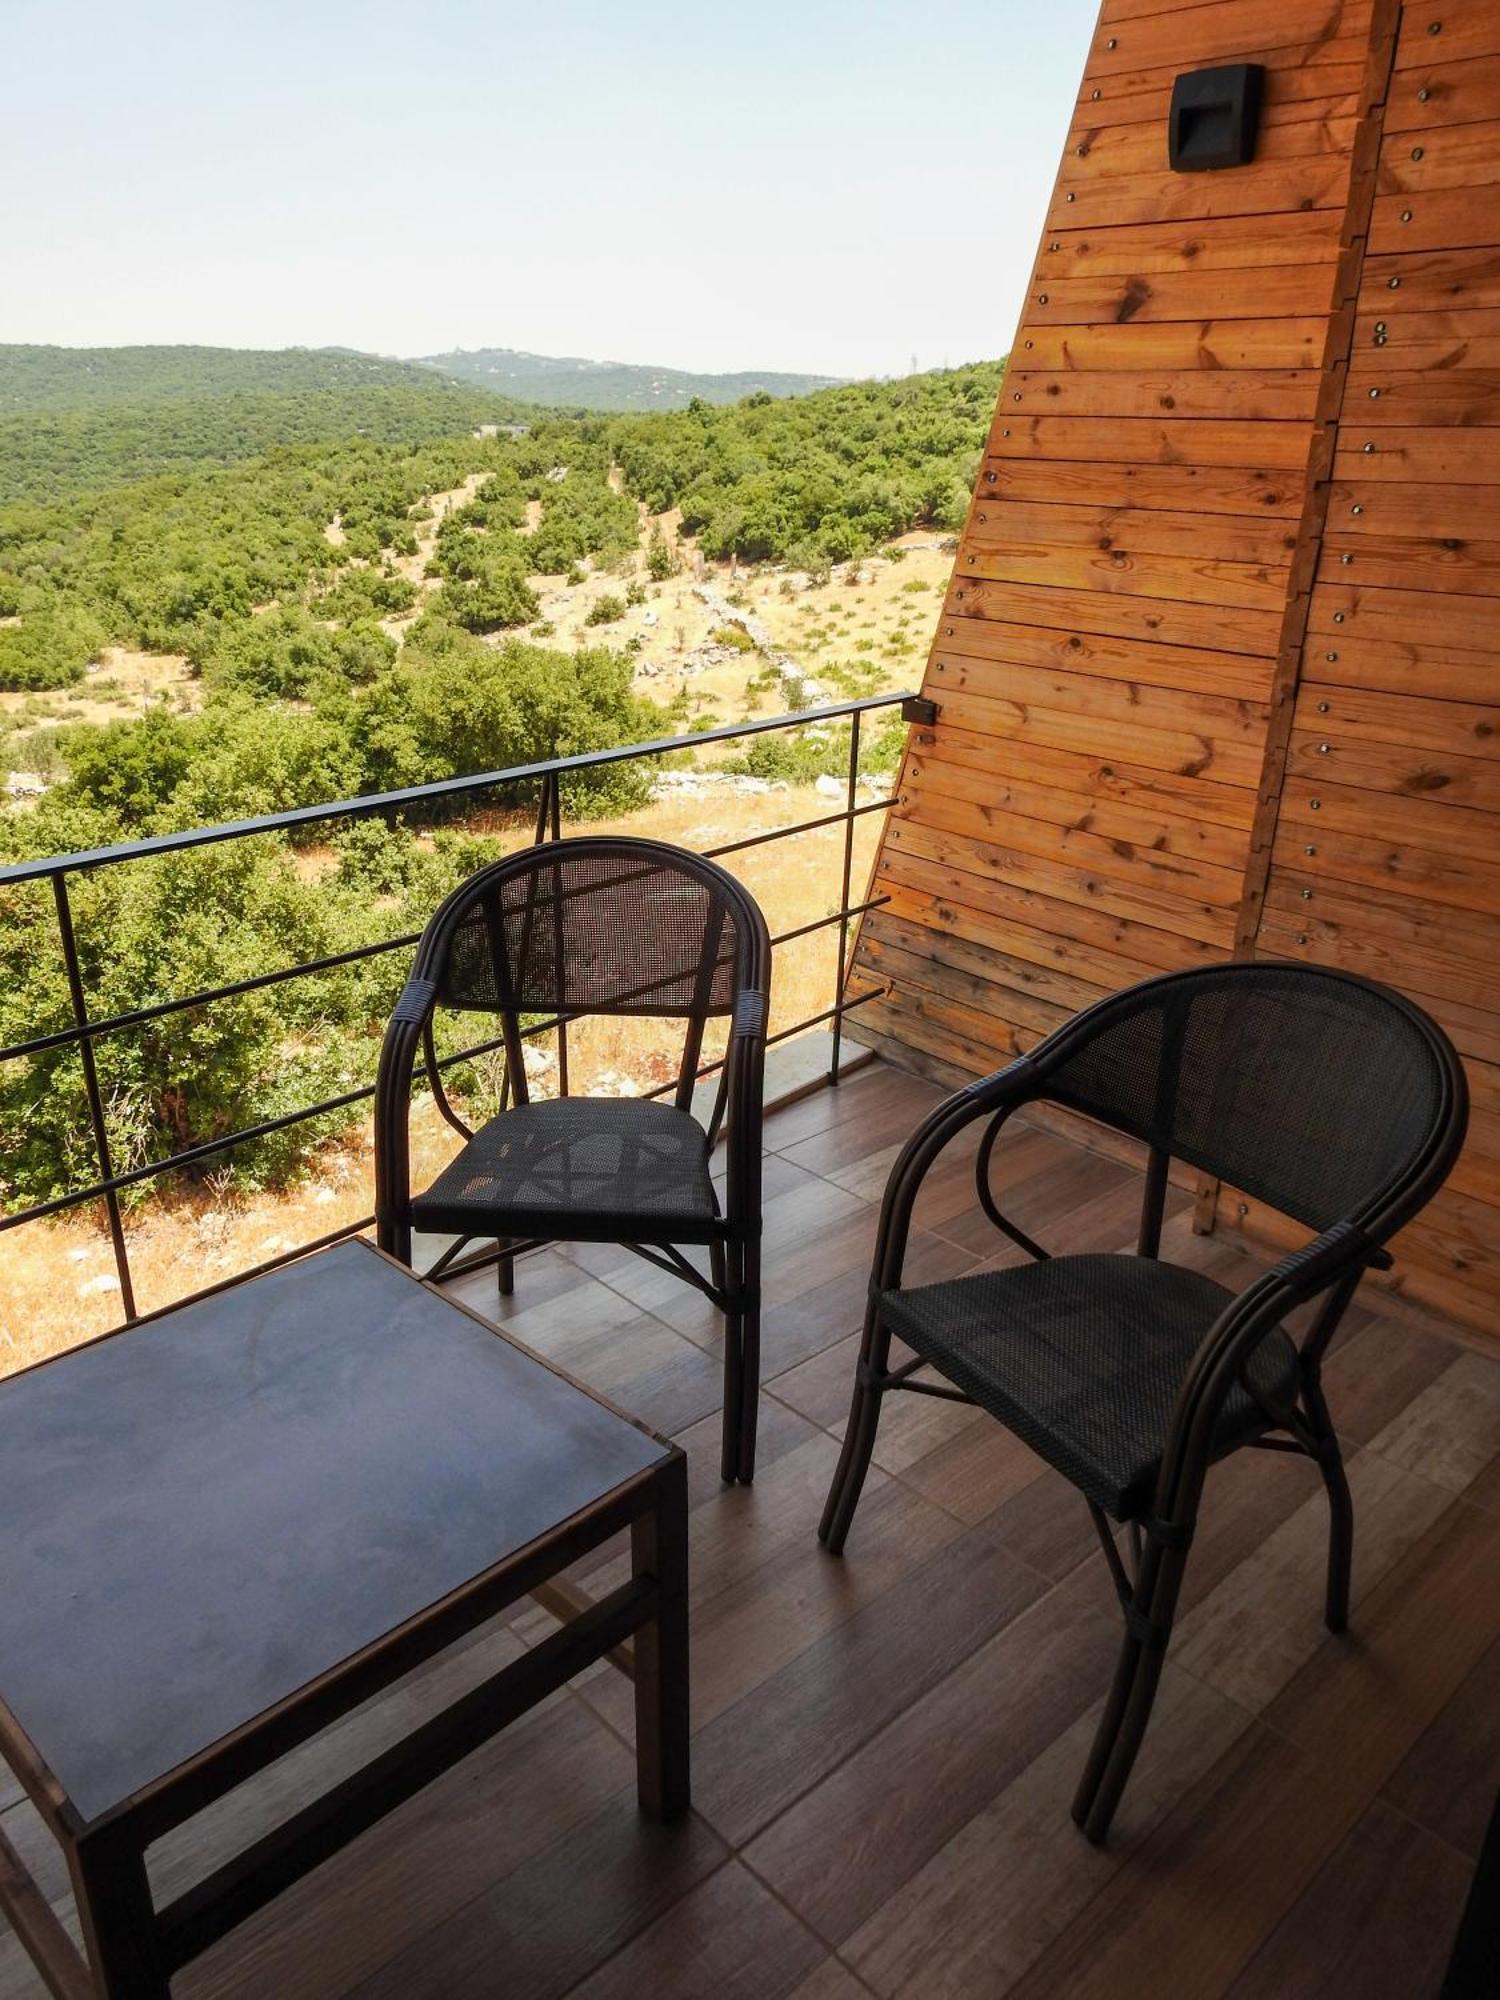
749 1358
859 1437
1340 1512
505 1271
1122 1727
734 1366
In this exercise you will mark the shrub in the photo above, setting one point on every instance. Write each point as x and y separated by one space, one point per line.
606 610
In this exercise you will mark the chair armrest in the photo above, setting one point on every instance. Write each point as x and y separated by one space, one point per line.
988 1096
744 1080
1340 1255
393 1080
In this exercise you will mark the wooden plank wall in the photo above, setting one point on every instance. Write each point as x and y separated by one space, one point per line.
1165 604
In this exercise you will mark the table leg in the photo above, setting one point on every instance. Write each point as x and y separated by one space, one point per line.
118 1916
659 1549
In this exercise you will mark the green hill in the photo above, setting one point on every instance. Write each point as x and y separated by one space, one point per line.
73 419
569 383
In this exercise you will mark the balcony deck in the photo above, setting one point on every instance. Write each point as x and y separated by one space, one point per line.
885 1747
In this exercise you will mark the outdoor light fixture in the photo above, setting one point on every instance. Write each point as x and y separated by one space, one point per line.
1215 115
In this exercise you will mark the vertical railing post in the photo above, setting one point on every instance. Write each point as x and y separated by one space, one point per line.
842 968
91 1089
552 810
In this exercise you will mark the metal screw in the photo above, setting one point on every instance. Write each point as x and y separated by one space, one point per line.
1315 805
1346 559
1030 343
1324 748
1423 95
1367 448
1338 617
1322 705
1330 658
1393 284
1380 340
1094 94
1374 395
1302 937
1041 298
1380 326
1016 397
991 477
1307 895
1111 43
1054 246
1406 215
1309 850
1071 197
1416 152
1355 509
1242 1208
1005 433
1083 151
1433 28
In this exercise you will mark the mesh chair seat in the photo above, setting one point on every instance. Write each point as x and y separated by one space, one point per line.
1082 1358
613 1167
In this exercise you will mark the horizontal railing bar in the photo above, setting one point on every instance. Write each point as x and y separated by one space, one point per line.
824 923
45 867
802 826
835 1013
114 1023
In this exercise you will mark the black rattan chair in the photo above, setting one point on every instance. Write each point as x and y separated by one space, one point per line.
1336 1102
588 927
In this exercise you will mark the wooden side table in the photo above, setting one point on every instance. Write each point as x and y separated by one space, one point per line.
229 1526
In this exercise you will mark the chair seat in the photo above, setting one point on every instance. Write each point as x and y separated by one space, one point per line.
612 1168
1082 1358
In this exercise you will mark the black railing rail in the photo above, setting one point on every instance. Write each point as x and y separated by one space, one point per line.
85 1031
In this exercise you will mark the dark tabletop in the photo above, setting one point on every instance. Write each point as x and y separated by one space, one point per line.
207 1511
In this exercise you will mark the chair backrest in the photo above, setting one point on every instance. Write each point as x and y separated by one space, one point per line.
1324 1095
592 926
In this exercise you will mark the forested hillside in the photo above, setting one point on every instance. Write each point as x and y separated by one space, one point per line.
355 616
73 419
568 382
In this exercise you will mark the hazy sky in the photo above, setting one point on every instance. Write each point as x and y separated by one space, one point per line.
829 185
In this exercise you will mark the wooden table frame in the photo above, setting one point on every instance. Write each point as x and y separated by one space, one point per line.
134 1947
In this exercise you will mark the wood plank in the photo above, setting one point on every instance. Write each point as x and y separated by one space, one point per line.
1414 848
1404 721
1435 219
1141 344
1432 510
1355 614
1449 1779
1451 156
1142 903
1094 776
729 1937
1064 726
1327 126
1286 394
1099 482
1469 28
935 778
1234 243
966 892
1438 952
1203 296
1462 339
1300 79
1220 31
1111 614
1387 395
1432 280
1272 186
892 945
1241 538
1255 588
1236 442
1385 768
1456 93
1074 842
1409 666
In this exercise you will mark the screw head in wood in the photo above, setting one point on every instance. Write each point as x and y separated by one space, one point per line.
1338 617
1309 850
1016 397
1113 44
1307 895
1324 748
1346 559
1094 94
1416 152
1302 937
1069 197
1322 705
1030 343
1380 326
1242 1208
1374 395
1423 95
1356 508
1315 805
1393 284
1367 448
1330 658
1041 298
1433 28
1406 215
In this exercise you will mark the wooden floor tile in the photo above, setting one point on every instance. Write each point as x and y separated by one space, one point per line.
727 1940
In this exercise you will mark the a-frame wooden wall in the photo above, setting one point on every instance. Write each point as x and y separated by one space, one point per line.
1219 669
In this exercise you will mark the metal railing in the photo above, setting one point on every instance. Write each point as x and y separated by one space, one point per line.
85 1032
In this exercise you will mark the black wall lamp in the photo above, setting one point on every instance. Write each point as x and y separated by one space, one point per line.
1215 117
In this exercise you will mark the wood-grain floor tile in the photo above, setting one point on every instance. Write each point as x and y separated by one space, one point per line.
729 1939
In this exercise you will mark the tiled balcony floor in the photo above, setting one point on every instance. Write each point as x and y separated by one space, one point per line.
885 1747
